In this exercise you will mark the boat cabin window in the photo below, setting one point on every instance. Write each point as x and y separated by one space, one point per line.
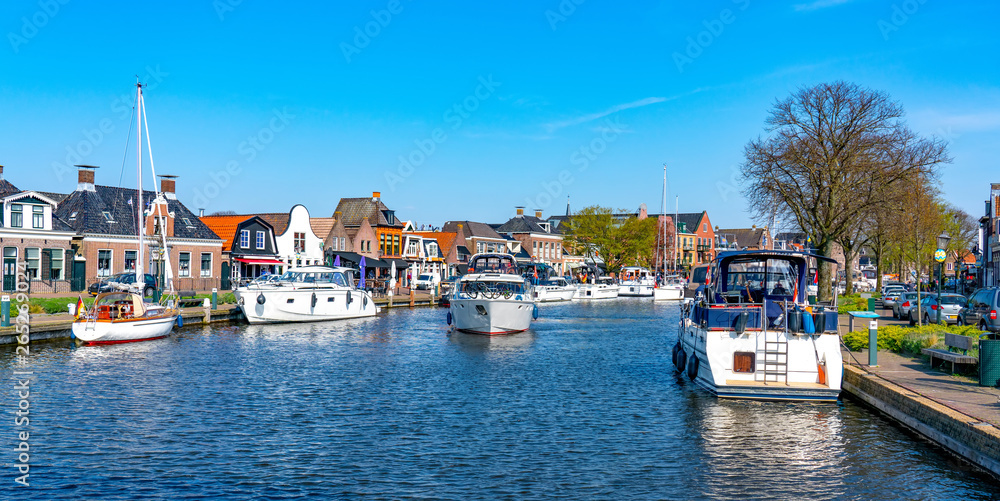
492 264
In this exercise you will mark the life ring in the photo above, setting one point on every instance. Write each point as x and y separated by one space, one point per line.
692 367
448 318
260 299
681 360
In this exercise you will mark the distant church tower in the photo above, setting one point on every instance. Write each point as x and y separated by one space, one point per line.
568 213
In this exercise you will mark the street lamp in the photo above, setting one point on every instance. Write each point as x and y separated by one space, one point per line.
942 241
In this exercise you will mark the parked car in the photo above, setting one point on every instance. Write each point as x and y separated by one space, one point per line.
105 285
982 310
890 297
951 305
426 281
699 277
905 301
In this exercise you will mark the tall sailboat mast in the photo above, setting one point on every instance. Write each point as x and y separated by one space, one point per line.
676 237
663 210
140 275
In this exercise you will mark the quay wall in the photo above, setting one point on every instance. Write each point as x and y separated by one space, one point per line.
965 436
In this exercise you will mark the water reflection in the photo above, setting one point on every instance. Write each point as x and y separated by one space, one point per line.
477 344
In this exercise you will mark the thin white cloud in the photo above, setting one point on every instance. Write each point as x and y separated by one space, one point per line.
553 126
818 4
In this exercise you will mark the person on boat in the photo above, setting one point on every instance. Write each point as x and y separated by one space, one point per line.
779 290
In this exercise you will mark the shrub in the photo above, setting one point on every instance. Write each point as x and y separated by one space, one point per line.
903 339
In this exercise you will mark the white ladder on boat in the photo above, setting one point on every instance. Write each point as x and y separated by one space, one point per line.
772 357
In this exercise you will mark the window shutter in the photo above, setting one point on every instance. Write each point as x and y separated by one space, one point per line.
68 258
46 264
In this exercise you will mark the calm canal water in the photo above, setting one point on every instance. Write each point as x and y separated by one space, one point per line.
585 405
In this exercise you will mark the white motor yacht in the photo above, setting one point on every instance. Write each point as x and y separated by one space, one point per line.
672 289
305 294
636 281
493 298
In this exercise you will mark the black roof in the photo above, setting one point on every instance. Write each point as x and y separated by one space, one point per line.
522 224
84 212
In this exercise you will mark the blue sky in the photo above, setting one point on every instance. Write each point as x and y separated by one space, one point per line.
464 110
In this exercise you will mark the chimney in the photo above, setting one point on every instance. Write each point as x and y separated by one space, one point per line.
336 216
538 213
201 212
1 173
520 210
167 186
376 195
85 178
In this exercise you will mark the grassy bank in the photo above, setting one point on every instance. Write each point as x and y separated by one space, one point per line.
60 304
910 340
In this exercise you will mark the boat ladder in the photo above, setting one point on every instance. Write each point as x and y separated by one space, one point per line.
772 357
91 324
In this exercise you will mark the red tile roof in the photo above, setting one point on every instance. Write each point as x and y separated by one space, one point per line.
224 227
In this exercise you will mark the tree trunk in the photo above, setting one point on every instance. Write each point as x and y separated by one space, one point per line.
823 291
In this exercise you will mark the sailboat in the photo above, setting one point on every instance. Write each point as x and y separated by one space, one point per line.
670 288
123 316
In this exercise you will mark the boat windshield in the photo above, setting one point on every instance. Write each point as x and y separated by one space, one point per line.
113 298
754 278
333 277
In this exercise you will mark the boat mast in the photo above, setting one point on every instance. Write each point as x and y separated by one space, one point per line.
676 208
140 275
663 210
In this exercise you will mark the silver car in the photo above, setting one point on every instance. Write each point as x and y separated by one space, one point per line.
891 296
901 308
951 305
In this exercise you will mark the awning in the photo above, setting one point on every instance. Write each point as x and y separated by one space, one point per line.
261 260
401 264
346 256
375 263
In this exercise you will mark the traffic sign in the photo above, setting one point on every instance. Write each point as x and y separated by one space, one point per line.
940 256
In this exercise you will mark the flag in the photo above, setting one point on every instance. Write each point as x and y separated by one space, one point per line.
336 261
816 278
79 307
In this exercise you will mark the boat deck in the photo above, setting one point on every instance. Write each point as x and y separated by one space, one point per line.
762 384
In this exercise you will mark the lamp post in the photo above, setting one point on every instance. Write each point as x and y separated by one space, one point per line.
942 241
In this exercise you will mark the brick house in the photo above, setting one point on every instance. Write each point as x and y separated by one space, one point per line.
536 237
479 237
31 235
249 247
696 239
104 219
370 229
752 238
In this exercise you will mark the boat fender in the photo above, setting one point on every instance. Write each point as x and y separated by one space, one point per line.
364 302
349 300
314 300
448 318
673 356
534 312
260 299
180 321
681 360
241 301
692 367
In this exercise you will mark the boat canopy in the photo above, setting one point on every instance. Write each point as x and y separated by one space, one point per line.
493 263
752 276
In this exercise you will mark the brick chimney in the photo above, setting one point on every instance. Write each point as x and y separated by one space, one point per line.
376 195
538 213
85 178
168 186
1 173
520 210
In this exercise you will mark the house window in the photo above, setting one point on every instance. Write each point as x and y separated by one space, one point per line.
245 239
107 216
187 222
260 240
37 217
16 216
333 244
130 256
32 256
300 242
704 226
184 264
206 264
343 243
395 245
950 266
56 264
104 263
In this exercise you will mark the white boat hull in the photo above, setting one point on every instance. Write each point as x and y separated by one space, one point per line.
593 291
635 290
285 304
551 293
716 349
668 293
491 316
122 331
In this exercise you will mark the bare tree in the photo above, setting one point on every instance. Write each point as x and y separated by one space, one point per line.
832 150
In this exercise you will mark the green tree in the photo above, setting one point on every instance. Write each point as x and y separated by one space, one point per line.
596 232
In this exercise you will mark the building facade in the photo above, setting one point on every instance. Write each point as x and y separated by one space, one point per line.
536 237
37 246
250 249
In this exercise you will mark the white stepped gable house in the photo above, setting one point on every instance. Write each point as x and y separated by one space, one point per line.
298 245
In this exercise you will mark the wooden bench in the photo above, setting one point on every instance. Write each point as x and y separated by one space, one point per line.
956 341
186 299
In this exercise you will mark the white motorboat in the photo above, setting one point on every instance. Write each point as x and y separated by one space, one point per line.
123 316
672 289
598 288
554 289
493 298
636 281
547 285
305 294
755 336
